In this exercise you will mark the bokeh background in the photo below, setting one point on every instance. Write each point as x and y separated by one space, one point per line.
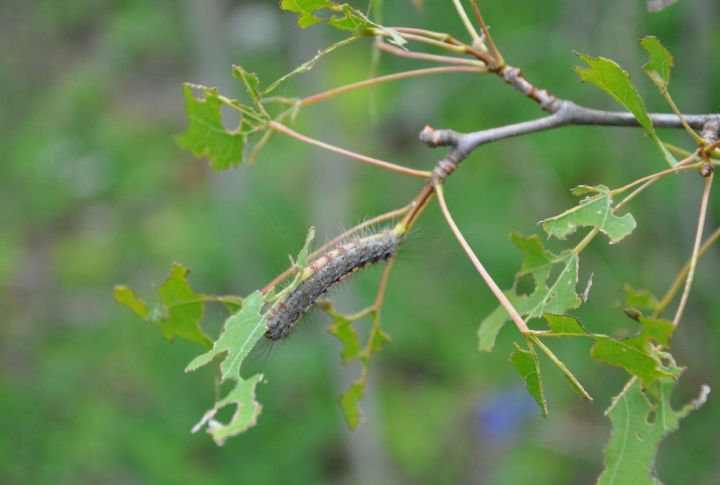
94 192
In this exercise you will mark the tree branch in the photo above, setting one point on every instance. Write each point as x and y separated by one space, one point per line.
566 114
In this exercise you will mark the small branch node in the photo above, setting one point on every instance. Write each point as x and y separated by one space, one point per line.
436 138
446 166
710 130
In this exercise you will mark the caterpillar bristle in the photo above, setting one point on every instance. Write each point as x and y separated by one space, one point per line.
324 273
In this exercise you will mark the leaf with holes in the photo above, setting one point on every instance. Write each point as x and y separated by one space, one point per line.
639 423
556 296
247 410
240 334
611 78
593 211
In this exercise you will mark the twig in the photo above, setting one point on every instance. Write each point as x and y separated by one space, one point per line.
427 57
486 32
383 285
356 156
696 250
567 113
478 265
390 77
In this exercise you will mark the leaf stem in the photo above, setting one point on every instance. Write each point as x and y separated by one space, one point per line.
680 278
683 165
486 32
477 40
427 57
561 365
390 77
514 315
696 250
350 154
693 134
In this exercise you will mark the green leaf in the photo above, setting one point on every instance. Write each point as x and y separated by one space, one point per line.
527 365
247 410
492 324
342 329
251 82
611 78
206 136
127 297
240 333
593 211
559 296
639 299
340 16
349 402
639 424
380 338
636 354
660 61
182 308
556 297
565 325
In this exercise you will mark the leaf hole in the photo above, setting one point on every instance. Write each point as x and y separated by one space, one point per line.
230 118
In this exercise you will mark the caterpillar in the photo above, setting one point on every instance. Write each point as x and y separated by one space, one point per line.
325 272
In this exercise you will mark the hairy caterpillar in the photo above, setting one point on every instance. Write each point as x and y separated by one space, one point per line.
322 274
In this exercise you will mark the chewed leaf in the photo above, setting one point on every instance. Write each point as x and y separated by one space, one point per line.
127 297
555 296
349 402
636 354
352 349
565 325
206 136
180 312
593 211
341 16
240 333
535 256
247 410
660 61
639 423
342 329
493 323
251 82
639 299
611 78
527 365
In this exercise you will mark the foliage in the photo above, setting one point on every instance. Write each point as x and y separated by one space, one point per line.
95 192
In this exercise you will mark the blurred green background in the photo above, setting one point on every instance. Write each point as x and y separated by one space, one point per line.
94 192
